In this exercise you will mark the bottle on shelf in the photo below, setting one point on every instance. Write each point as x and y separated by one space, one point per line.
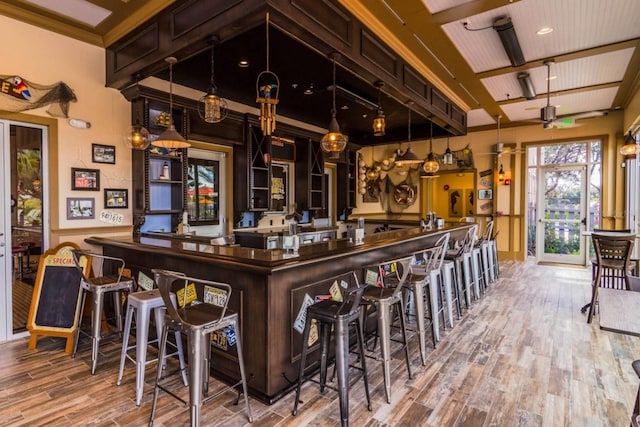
165 171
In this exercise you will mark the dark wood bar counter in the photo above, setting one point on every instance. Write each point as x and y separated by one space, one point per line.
270 290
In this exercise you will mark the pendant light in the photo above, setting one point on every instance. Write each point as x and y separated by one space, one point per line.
372 173
408 157
630 147
215 108
334 141
501 173
447 159
170 138
379 122
431 166
267 90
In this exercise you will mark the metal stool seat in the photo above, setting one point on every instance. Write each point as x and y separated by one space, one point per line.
140 304
98 286
336 316
385 297
198 321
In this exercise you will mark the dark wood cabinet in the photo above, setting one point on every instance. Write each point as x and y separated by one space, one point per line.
158 175
309 175
252 172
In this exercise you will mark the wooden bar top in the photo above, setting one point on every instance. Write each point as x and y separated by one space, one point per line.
274 258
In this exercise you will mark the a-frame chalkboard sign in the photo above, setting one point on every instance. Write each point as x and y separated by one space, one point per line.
56 296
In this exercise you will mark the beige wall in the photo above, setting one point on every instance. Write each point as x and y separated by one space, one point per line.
508 200
46 58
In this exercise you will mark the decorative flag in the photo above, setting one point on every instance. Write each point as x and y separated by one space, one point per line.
18 94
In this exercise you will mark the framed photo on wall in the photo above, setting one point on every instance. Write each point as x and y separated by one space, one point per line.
85 179
485 194
116 198
103 153
81 208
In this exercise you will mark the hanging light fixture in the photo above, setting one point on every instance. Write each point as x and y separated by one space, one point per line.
630 147
447 159
501 173
170 138
334 141
372 173
136 136
267 88
379 122
431 166
408 157
215 108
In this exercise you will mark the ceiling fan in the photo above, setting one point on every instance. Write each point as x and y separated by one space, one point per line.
548 116
499 147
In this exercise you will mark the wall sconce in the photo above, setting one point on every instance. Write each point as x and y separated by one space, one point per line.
379 122
501 174
630 147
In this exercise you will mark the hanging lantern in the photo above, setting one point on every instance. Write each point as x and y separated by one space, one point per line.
267 88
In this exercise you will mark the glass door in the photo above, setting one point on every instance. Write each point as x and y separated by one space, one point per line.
5 238
562 194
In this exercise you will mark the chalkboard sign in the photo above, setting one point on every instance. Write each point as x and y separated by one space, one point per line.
56 296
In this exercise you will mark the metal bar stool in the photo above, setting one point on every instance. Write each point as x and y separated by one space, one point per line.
335 316
451 289
386 296
98 286
461 258
426 272
140 304
198 321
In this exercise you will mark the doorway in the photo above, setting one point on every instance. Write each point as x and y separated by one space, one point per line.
23 219
563 199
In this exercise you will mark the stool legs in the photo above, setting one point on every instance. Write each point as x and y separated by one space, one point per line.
384 329
476 271
96 313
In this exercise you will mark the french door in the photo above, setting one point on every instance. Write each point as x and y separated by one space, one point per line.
562 207
5 240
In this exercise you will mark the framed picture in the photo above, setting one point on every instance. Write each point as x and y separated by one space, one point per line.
85 179
81 208
456 203
116 198
103 153
485 194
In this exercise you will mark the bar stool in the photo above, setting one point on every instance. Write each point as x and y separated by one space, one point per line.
452 297
426 272
98 286
476 270
461 258
140 304
335 316
198 321
386 296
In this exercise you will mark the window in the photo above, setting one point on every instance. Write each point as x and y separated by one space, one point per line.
203 183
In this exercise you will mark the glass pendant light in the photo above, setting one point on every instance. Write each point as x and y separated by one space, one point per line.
447 159
215 108
408 157
170 138
333 141
379 122
431 166
136 136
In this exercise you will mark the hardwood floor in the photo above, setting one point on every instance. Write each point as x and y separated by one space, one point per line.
521 356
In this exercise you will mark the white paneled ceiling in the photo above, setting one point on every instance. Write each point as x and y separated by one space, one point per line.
594 44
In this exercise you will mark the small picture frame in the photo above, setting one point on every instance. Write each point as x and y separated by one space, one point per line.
81 208
103 154
85 179
116 198
485 194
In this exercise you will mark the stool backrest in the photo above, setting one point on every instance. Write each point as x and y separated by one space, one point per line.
470 238
351 297
93 258
613 250
194 292
433 257
487 233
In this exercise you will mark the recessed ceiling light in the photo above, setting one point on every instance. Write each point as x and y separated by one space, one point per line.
544 30
309 90
243 63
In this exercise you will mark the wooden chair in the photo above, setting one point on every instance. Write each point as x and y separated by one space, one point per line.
613 263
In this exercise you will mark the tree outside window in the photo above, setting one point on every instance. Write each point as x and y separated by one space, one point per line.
202 191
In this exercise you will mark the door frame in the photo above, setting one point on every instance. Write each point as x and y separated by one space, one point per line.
541 256
6 273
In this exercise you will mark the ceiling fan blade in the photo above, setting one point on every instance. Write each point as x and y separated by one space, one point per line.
585 115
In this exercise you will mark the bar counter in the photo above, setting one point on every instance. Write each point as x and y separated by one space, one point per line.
270 290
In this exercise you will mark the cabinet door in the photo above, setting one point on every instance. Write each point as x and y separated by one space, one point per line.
259 170
309 175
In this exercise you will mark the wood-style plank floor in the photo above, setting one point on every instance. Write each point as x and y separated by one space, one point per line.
521 356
